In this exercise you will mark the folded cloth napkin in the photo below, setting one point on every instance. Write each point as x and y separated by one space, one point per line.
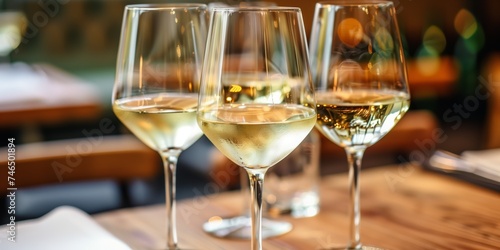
487 160
63 228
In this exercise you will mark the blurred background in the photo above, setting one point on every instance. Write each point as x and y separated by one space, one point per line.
62 54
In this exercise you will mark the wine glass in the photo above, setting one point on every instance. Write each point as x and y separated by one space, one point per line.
360 80
157 82
238 227
256 97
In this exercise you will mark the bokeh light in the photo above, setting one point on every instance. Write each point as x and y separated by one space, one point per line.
467 47
434 40
470 30
350 32
12 28
428 61
465 23
383 43
428 55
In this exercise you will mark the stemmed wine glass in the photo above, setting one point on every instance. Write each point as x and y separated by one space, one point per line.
360 80
157 82
238 227
256 97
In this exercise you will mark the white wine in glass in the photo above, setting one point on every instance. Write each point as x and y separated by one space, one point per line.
256 97
257 88
157 81
360 80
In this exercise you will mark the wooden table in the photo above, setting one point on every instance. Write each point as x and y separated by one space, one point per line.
35 95
42 94
403 207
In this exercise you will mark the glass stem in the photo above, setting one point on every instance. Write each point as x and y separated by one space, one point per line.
245 192
354 157
170 158
256 177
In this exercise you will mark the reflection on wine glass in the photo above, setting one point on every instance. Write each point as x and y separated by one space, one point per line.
157 82
257 92
360 81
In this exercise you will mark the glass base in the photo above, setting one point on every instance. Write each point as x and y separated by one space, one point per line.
240 227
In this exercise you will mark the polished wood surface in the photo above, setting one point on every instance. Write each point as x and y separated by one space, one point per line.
403 207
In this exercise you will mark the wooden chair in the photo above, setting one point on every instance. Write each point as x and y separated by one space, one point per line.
121 158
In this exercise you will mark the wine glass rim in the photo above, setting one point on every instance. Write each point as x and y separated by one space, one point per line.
355 3
165 6
254 8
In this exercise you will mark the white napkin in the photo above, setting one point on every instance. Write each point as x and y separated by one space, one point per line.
486 160
63 228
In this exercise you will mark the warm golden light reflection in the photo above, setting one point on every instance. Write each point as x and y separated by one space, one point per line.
215 219
235 88
465 23
178 51
428 62
434 39
350 32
